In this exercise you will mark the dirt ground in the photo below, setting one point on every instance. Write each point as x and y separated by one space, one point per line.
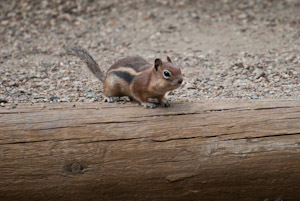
226 49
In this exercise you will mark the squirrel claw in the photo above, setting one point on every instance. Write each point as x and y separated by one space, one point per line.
165 104
149 105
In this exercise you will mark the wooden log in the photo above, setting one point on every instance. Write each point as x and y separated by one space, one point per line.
209 150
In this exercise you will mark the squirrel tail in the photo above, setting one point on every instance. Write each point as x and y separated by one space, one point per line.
88 59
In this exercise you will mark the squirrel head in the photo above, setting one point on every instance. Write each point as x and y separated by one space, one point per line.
167 75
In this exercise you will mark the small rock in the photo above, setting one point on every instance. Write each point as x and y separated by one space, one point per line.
22 90
94 44
54 98
172 27
243 77
96 96
14 84
272 23
259 73
239 64
190 86
3 99
13 106
47 64
195 16
212 83
285 76
92 95
65 99
86 89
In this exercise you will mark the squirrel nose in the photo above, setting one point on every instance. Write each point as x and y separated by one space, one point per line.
180 81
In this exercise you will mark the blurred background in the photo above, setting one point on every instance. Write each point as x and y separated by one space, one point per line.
246 49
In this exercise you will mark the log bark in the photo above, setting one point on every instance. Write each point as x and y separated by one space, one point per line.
209 150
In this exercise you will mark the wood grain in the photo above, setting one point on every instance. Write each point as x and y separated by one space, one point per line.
209 150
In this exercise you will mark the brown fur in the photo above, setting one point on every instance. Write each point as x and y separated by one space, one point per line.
136 78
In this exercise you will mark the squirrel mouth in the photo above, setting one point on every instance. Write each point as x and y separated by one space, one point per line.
177 82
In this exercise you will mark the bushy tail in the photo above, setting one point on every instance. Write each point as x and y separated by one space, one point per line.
88 59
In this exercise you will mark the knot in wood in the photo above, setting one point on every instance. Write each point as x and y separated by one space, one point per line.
74 168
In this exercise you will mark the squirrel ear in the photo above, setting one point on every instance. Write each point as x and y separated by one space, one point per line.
169 60
157 63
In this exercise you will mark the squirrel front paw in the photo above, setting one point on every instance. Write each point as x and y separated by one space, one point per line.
111 99
165 103
149 105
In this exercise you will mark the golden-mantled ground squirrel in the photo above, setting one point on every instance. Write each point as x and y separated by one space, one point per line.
135 77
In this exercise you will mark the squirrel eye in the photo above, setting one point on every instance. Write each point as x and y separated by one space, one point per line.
167 74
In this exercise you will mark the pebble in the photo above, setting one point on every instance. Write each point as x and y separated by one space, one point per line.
66 99
3 99
212 83
13 106
254 97
259 73
47 64
190 86
54 98
285 76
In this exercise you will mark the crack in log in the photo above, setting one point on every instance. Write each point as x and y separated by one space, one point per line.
53 128
266 136
273 108
194 137
173 139
38 141
264 151
220 110
36 122
179 177
85 124
172 115
190 113
17 112
113 140
72 126
60 140
114 122
216 110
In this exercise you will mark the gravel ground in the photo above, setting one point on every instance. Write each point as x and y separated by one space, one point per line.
226 49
